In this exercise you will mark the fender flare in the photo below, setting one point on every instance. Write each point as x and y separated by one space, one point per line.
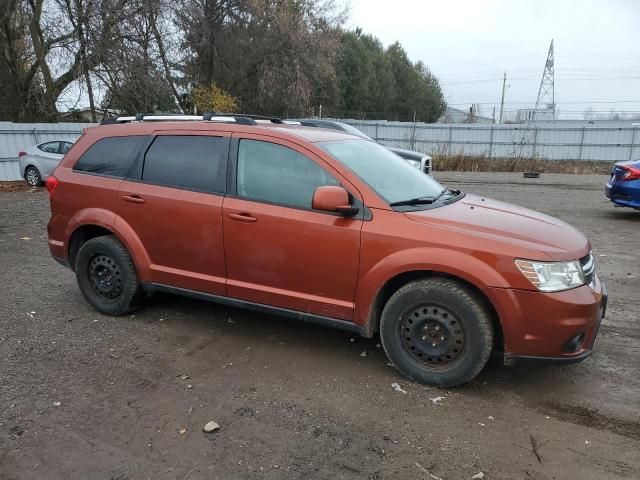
467 267
120 228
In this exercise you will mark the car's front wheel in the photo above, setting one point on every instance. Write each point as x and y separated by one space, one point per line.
437 331
107 277
32 176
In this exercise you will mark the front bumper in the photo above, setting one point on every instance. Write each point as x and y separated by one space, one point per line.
557 328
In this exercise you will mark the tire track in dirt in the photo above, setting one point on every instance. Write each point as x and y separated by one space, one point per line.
592 418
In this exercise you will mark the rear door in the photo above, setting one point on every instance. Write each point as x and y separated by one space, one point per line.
97 174
173 201
279 251
49 156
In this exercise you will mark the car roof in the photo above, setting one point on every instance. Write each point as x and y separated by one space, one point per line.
285 131
53 141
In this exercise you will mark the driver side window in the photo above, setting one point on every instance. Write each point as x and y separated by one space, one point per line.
276 174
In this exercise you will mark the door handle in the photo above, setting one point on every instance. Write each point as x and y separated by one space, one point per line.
133 198
243 217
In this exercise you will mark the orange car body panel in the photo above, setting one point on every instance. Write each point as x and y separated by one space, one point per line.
320 263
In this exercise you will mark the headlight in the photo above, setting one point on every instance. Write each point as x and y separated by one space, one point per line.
413 163
552 276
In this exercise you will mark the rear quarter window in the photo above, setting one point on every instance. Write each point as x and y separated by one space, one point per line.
65 147
111 156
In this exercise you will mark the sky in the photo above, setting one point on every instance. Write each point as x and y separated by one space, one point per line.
469 44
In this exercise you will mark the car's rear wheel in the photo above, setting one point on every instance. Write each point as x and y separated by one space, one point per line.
32 176
437 331
107 277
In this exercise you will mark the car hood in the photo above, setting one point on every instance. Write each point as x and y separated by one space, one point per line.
510 224
410 153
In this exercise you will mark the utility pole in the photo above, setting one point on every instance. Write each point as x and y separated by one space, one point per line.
504 86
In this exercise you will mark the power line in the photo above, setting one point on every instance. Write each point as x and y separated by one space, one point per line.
578 72
461 64
559 79
559 103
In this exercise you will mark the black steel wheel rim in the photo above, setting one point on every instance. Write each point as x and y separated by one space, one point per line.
432 334
105 277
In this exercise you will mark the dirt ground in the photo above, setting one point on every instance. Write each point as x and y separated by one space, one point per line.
84 396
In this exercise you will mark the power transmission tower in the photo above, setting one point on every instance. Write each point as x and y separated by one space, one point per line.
546 92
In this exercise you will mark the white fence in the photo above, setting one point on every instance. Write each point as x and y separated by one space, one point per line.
18 136
552 142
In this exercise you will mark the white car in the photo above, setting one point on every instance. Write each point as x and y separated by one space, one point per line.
37 162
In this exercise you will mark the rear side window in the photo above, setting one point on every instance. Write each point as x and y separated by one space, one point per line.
110 156
51 147
193 162
65 147
277 174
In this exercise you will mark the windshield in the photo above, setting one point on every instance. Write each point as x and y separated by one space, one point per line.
388 174
354 131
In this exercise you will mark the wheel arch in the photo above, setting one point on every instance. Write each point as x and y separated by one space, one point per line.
82 234
33 164
95 223
394 283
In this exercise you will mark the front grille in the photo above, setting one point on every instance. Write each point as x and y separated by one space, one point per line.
588 268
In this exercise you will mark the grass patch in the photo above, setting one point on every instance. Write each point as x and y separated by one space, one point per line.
466 163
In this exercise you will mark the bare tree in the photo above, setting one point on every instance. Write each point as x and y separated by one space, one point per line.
270 54
138 72
53 43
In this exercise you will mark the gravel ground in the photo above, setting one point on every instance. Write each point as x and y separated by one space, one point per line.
84 396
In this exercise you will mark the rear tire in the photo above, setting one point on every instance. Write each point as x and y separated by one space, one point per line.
437 331
32 176
107 277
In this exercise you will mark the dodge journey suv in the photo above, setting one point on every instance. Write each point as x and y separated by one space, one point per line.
323 226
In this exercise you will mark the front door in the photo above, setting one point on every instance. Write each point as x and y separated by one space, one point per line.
278 250
175 207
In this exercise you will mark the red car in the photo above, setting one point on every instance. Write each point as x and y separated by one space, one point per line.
321 226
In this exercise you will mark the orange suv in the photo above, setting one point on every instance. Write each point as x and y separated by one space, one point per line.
321 226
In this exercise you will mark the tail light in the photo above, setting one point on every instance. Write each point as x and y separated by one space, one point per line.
21 153
51 184
630 173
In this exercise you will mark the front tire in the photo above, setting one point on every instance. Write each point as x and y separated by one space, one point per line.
437 331
32 176
107 277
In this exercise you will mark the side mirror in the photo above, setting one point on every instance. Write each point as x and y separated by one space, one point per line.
333 199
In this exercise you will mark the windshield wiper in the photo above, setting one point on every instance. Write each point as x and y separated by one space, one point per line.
414 201
425 200
444 190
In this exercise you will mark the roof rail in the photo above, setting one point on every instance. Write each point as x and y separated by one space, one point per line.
250 116
240 119
140 117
